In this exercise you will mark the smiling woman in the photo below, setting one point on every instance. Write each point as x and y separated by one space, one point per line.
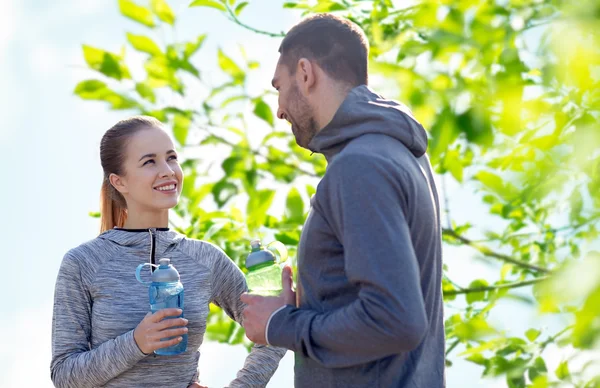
141 174
102 334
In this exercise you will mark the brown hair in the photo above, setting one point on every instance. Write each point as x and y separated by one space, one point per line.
113 207
337 45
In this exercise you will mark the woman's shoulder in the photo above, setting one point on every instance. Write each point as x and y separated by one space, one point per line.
91 250
204 251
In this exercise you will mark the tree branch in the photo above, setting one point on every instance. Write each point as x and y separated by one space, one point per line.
258 153
553 338
496 287
488 252
237 21
451 347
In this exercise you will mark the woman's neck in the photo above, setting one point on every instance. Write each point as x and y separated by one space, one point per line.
145 220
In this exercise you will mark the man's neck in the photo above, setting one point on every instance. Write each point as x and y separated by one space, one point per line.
331 99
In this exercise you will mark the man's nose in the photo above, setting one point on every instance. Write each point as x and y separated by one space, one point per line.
281 115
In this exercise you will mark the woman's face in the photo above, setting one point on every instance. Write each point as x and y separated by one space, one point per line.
152 177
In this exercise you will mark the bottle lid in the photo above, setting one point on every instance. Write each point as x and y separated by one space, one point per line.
258 255
165 273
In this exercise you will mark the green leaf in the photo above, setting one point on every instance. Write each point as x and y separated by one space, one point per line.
294 206
540 382
562 371
295 5
327 6
192 47
144 44
453 164
105 62
145 91
257 208
88 88
263 110
97 90
476 296
538 369
209 3
310 190
478 359
223 191
476 125
240 7
230 67
164 12
181 127
532 334
576 201
136 12
162 73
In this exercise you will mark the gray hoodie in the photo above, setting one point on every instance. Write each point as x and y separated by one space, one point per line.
98 303
370 258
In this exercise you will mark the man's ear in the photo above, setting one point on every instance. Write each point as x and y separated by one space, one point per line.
118 183
306 75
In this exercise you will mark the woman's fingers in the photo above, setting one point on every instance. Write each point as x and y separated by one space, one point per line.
165 324
167 343
171 333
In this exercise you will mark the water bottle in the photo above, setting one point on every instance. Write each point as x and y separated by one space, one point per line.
264 271
165 291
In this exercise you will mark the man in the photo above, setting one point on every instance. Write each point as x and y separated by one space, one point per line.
369 310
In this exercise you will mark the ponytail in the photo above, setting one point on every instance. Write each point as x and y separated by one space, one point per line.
111 212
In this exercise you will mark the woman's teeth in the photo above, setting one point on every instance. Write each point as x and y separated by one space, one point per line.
166 188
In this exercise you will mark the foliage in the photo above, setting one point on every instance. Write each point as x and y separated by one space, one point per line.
510 93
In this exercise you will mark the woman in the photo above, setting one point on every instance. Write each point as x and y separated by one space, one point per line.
102 333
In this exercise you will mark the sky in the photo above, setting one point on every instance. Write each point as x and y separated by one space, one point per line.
49 141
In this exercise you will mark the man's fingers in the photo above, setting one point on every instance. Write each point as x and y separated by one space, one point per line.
247 298
288 294
286 277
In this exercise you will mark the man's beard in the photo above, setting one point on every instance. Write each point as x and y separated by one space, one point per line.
304 125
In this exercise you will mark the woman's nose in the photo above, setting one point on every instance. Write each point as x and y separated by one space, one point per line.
167 172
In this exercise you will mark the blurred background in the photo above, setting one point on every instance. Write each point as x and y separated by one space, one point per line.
508 90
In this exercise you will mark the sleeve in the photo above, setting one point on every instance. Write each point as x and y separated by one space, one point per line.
228 284
363 205
74 363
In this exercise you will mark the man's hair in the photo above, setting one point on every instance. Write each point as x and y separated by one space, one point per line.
337 45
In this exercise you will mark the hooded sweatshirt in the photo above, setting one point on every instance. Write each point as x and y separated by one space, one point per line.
98 303
370 310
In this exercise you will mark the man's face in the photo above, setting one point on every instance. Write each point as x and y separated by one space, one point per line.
293 106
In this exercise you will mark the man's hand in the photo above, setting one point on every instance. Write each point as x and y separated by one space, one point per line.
259 308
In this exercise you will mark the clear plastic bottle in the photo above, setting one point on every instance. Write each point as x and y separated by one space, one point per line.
264 271
165 291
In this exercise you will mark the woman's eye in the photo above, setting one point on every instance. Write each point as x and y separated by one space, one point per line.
148 161
173 157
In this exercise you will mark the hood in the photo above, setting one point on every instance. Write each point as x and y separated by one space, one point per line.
163 238
364 111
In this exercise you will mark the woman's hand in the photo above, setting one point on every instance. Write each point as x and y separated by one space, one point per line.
151 330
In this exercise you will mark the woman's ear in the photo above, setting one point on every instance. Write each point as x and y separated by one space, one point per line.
118 183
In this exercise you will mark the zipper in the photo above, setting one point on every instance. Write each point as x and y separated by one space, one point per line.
152 247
